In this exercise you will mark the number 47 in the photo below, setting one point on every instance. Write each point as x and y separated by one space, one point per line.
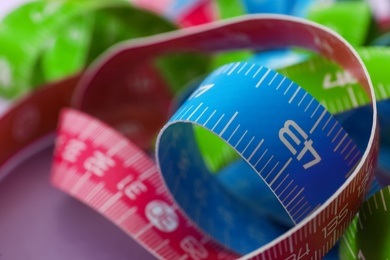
342 78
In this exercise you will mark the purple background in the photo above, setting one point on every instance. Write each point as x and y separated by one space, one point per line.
39 222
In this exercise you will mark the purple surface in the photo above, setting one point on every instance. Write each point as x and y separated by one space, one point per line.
39 222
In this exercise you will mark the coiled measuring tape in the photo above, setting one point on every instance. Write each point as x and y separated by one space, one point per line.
100 167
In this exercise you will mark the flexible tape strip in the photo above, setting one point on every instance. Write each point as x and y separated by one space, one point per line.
371 222
270 142
33 117
337 212
101 168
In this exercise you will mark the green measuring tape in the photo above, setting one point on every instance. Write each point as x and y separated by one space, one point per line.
44 41
368 235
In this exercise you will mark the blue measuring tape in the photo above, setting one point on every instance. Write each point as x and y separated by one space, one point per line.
279 147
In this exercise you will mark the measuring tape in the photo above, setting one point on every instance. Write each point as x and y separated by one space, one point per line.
103 169
372 222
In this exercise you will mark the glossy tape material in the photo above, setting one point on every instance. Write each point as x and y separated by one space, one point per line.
313 236
284 134
371 222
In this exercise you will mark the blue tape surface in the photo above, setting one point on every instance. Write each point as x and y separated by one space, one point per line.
280 130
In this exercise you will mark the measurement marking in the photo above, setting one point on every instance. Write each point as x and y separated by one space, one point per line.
88 130
186 112
246 73
117 147
352 97
127 214
360 223
369 207
209 117
275 254
294 197
311 101
376 203
239 141
94 191
383 200
339 105
273 78
257 148
382 90
234 68
288 88
294 95
288 185
291 244
318 121
143 230
341 141
280 249
273 168
332 107
331 130
261 157
349 247
179 112
315 111
304 212
262 78
345 147
148 173
269 160
356 155
288 195
350 152
80 183
133 159
235 130
281 182
248 145
227 68
219 120
324 104
285 245
161 245
193 112
227 125
281 82
111 201
196 120
243 66
280 172
257 72
296 204
300 102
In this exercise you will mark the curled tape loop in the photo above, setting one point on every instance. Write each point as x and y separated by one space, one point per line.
102 168
326 222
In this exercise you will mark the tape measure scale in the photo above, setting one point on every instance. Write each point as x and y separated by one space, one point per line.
259 148
304 240
122 183
371 222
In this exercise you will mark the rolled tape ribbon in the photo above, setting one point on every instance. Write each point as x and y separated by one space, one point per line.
108 172
100 167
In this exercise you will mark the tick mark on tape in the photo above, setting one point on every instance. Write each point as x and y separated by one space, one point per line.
228 124
263 77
